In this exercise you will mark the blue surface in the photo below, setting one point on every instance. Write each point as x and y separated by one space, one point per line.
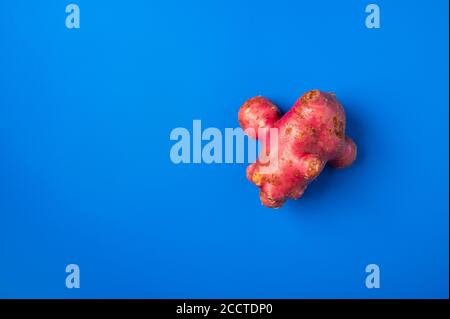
86 178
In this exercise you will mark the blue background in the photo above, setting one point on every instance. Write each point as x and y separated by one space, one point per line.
86 177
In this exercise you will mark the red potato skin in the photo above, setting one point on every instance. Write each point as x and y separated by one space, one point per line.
310 135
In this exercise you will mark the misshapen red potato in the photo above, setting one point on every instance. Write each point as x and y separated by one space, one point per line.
310 135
